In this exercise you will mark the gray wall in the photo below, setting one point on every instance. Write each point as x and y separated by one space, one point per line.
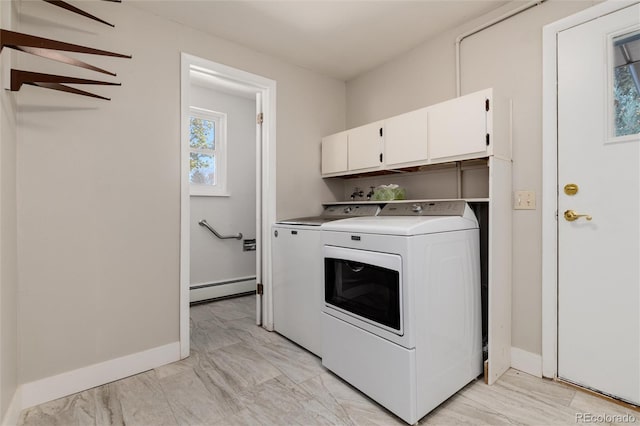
213 259
509 58
99 182
8 235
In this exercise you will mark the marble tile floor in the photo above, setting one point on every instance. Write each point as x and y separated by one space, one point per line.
241 374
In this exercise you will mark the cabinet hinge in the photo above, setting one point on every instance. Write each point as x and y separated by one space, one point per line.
488 139
260 118
486 104
259 288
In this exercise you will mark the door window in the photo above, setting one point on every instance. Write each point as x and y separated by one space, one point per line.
626 84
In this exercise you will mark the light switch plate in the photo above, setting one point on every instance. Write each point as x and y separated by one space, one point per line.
524 200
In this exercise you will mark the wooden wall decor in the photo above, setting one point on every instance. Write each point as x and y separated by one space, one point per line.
50 49
54 82
71 8
46 48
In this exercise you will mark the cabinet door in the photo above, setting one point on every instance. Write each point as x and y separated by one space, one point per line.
334 153
405 139
365 147
458 128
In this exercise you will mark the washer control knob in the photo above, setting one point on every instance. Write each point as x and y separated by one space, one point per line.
347 210
416 208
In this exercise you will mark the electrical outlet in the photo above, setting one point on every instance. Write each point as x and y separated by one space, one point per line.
524 200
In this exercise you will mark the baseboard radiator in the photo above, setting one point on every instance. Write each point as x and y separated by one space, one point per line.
220 289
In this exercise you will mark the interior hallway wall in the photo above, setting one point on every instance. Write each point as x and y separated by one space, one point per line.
507 57
99 182
213 259
8 233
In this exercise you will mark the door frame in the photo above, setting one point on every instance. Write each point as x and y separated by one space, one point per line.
265 183
550 175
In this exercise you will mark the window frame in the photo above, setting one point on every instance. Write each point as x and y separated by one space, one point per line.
610 137
219 188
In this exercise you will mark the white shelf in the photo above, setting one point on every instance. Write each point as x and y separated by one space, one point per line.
468 200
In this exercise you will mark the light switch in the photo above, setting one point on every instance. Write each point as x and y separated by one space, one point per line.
524 200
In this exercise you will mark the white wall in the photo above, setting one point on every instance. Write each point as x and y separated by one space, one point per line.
8 235
98 183
213 259
509 58
439 182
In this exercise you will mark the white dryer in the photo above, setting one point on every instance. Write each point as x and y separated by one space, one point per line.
297 273
402 314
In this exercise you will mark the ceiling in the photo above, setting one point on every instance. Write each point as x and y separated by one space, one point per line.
337 38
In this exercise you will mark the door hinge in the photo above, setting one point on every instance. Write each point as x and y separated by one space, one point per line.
381 157
488 139
486 104
381 131
259 288
260 118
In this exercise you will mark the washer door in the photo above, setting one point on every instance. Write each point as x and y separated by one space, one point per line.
366 285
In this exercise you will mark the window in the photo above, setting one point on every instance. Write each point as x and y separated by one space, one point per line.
626 84
207 160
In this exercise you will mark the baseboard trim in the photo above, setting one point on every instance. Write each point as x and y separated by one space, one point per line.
526 362
54 387
204 292
12 415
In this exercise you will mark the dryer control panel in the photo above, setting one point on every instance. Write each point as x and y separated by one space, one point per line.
425 208
351 210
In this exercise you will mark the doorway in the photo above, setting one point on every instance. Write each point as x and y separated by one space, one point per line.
221 235
591 232
222 185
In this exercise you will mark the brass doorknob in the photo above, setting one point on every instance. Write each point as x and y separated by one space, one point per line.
571 215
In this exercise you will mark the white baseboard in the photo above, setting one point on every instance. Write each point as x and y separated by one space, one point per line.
527 362
204 293
64 384
12 415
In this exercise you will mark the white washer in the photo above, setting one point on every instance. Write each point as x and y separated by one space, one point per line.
297 273
402 316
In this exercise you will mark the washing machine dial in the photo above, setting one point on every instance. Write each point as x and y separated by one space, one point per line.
416 208
347 210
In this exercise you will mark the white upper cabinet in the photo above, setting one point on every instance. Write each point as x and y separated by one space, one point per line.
458 128
471 126
334 154
366 147
406 139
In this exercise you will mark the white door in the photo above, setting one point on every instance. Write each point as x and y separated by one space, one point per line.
599 254
259 206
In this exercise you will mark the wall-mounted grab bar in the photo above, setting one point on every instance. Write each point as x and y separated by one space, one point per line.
222 237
